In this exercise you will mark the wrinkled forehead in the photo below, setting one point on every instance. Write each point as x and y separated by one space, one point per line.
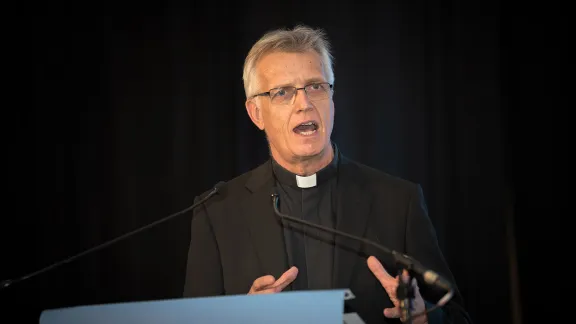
282 68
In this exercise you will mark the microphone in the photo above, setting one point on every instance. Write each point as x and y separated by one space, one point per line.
429 276
6 283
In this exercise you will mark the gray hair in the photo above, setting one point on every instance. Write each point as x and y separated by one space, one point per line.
298 40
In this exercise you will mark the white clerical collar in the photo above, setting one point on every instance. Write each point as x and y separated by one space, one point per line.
306 182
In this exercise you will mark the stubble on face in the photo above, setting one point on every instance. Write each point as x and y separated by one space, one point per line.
299 154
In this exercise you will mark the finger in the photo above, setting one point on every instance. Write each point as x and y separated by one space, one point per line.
264 291
416 288
378 270
262 283
405 276
392 312
286 279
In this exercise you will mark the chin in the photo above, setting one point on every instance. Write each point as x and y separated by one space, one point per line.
310 149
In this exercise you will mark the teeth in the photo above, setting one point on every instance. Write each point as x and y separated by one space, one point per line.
308 124
308 133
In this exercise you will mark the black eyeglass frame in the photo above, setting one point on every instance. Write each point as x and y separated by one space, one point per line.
268 93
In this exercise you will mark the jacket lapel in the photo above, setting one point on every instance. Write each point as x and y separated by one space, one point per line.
354 204
352 211
265 228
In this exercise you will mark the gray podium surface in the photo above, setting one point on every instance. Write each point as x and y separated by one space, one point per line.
324 306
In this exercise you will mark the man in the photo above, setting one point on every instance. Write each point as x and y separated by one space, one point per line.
240 246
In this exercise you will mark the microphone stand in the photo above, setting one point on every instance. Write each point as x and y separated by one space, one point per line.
405 294
405 290
9 282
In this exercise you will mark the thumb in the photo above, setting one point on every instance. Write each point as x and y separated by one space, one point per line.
392 312
262 282
286 278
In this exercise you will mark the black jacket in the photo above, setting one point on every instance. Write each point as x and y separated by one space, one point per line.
236 238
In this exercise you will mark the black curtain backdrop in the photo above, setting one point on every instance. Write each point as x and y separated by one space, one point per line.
129 112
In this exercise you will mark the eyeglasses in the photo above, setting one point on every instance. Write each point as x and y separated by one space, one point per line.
286 95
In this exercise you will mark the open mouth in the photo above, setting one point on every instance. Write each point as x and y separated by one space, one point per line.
307 128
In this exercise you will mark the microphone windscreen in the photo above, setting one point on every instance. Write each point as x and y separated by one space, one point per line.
219 185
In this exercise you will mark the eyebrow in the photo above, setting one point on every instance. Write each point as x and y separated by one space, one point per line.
308 81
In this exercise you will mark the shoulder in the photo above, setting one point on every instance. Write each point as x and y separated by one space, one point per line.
379 181
238 187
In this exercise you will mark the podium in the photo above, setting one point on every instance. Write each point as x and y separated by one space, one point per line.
303 307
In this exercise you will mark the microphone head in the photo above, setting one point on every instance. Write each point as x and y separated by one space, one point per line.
5 283
274 193
219 185
217 189
275 196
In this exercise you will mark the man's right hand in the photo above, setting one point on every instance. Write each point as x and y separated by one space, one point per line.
269 285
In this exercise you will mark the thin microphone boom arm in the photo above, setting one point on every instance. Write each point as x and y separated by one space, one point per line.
430 277
10 282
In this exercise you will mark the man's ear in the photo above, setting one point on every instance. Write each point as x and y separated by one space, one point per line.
255 113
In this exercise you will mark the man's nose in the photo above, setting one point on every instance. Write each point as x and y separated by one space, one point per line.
301 100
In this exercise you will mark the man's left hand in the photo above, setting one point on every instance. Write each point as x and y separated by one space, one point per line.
390 284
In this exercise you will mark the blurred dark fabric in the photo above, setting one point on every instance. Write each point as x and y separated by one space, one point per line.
126 113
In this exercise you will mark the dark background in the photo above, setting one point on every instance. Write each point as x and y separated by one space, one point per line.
125 113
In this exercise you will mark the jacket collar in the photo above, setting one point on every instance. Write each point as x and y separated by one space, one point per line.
354 203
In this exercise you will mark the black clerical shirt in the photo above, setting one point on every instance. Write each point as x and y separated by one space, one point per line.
311 199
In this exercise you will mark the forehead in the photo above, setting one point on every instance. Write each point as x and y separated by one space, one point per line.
279 68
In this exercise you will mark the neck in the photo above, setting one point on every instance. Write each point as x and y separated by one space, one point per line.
305 166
